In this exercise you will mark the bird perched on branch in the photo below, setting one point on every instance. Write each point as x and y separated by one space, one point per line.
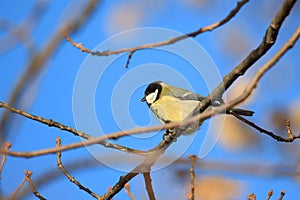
173 104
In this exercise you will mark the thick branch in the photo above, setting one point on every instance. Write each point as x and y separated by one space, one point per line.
268 65
148 184
144 167
253 84
267 42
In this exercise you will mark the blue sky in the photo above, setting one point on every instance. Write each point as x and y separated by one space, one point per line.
51 95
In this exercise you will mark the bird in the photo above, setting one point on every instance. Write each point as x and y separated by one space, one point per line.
173 104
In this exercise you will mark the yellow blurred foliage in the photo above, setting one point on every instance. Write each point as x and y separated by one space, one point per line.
215 187
295 116
234 135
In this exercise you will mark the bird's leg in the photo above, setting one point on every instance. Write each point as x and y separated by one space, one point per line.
170 134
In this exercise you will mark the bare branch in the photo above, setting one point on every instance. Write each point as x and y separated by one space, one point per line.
266 170
84 143
247 92
148 184
119 185
283 12
200 117
290 138
128 192
129 58
51 175
144 167
270 193
253 84
193 158
132 50
254 169
7 145
55 124
14 194
268 65
267 42
281 195
251 196
28 179
72 178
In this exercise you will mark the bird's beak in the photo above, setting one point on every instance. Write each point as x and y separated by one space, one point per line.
143 99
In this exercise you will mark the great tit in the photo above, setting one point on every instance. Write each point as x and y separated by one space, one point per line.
173 104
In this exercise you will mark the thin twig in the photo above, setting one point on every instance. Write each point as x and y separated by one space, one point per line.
52 123
7 145
270 193
148 184
251 196
281 195
92 141
289 138
194 159
14 194
129 58
28 179
128 192
72 178
132 50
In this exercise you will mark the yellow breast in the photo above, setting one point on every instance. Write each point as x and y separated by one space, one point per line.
168 108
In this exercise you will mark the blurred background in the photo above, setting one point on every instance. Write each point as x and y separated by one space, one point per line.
39 69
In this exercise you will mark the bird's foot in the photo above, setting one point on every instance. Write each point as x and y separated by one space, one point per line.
169 135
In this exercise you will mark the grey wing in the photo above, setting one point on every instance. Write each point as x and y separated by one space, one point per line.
183 94
191 96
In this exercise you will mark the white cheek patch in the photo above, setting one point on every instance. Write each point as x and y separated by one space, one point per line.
150 98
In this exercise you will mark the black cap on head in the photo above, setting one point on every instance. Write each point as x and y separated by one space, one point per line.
152 87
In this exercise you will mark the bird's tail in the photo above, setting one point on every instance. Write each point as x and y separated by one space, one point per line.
240 111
